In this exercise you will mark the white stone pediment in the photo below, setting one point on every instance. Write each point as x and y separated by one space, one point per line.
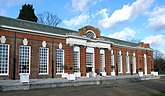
3 39
25 41
44 44
60 45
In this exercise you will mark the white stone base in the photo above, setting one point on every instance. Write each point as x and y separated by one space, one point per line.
78 75
64 75
24 78
112 73
140 74
91 74
71 77
104 74
154 73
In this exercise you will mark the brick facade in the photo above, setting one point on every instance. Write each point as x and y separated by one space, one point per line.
83 61
35 42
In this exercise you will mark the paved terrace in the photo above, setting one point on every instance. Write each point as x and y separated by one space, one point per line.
8 85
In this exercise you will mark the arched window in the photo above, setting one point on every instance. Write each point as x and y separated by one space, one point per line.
90 34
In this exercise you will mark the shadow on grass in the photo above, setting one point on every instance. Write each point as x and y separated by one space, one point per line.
1 88
161 94
155 85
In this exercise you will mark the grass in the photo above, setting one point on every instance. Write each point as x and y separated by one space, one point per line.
161 94
162 73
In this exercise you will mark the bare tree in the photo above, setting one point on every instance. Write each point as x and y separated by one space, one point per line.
134 40
158 54
159 62
48 19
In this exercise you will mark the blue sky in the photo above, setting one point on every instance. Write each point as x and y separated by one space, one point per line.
142 20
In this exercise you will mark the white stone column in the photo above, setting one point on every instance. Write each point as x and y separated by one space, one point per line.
112 58
120 70
112 64
145 64
103 61
134 63
127 64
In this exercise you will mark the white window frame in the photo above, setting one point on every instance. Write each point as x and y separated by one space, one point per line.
62 62
102 53
112 60
120 69
134 64
47 63
91 50
127 65
87 59
28 57
77 49
7 61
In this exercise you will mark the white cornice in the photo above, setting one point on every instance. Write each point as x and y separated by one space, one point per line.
88 39
76 41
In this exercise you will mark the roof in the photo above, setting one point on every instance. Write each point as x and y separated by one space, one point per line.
33 26
51 29
121 42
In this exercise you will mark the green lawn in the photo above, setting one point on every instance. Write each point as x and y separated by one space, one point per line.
162 73
161 94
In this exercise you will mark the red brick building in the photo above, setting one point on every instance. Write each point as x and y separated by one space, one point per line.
47 52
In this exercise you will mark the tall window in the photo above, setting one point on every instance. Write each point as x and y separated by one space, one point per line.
76 61
4 59
134 64
24 59
102 64
120 63
43 60
89 59
112 60
127 64
59 61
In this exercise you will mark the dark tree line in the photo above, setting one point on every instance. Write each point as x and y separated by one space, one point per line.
159 62
27 13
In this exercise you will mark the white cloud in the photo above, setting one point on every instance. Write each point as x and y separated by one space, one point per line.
157 18
125 34
103 13
76 20
155 41
125 13
81 5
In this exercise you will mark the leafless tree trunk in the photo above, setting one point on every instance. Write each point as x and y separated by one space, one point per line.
48 19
